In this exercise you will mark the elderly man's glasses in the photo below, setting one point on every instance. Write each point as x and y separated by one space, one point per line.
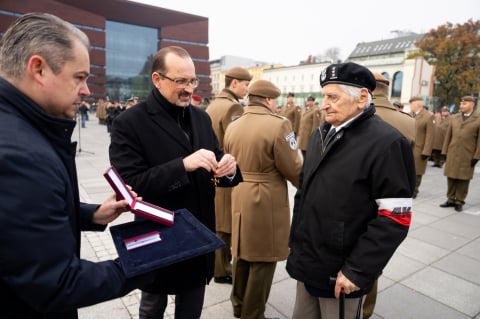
182 82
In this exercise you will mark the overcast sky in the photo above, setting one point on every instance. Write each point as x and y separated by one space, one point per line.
289 31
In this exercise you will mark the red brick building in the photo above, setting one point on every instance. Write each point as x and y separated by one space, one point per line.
124 36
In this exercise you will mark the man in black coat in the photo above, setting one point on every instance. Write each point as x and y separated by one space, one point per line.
353 206
44 66
167 150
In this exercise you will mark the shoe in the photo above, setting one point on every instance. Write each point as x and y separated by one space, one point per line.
414 195
448 204
458 208
223 280
236 316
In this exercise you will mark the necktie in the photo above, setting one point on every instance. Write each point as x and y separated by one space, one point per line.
329 136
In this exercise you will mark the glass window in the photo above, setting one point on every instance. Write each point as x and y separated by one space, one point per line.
397 84
129 55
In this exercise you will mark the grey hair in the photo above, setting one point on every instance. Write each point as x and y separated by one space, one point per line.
40 34
354 92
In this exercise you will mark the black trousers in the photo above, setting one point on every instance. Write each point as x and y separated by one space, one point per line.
188 304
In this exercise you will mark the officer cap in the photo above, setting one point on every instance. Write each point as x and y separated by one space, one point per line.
445 109
291 94
468 99
415 98
380 78
311 98
239 74
348 73
264 88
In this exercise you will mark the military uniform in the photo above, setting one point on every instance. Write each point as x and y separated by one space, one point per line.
310 119
424 134
440 131
223 110
461 145
264 146
292 112
403 122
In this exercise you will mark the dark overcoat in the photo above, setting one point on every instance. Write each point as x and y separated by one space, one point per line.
41 273
147 148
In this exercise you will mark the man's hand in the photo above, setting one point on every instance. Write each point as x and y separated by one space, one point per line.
345 284
111 209
202 158
226 167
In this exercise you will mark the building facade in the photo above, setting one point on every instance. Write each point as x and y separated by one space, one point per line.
408 76
124 38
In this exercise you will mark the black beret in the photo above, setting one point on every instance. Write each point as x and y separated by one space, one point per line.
239 74
264 88
311 98
348 73
291 94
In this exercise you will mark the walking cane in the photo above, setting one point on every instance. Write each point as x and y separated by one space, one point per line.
341 305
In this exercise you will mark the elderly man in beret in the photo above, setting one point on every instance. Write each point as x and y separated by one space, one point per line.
222 111
462 148
264 146
353 206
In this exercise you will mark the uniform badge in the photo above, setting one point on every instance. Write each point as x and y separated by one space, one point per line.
323 76
290 138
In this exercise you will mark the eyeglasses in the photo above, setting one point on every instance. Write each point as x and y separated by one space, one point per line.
182 82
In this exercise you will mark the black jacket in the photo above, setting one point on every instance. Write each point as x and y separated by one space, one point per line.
353 206
148 144
41 273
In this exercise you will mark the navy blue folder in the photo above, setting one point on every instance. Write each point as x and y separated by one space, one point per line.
187 238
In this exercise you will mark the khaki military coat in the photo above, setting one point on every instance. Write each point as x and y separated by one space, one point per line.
440 130
310 119
424 134
403 122
292 112
265 148
461 145
223 110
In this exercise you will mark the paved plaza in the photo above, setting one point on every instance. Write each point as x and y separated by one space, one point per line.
434 274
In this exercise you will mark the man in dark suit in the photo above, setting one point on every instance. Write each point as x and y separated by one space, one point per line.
167 150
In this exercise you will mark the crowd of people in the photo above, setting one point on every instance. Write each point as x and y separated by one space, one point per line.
227 161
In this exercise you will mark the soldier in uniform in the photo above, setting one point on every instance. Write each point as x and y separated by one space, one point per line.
403 122
291 112
424 134
265 147
311 117
462 148
223 110
441 126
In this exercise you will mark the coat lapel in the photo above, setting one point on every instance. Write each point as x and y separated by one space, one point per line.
167 124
